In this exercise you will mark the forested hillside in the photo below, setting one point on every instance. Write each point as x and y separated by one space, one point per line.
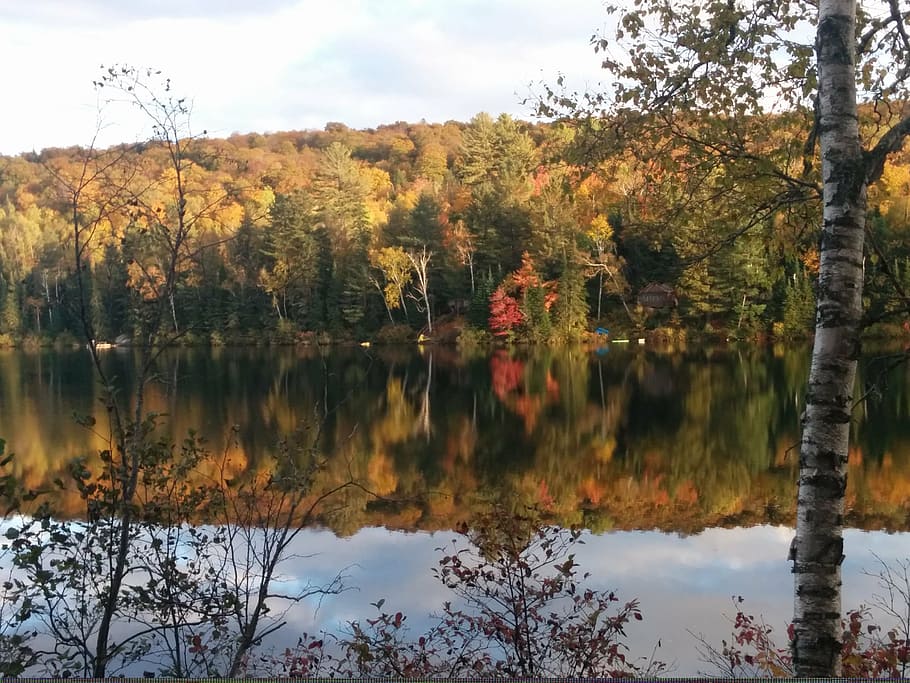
343 234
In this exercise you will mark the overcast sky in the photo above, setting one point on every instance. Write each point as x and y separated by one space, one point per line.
269 65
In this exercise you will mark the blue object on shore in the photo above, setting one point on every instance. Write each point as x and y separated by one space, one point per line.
601 330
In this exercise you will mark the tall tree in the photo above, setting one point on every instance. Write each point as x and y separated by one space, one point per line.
692 95
570 311
342 191
101 192
395 265
495 163
420 262
293 252
818 545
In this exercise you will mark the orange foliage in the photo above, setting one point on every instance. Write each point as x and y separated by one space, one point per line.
591 490
686 493
543 496
526 276
811 260
381 473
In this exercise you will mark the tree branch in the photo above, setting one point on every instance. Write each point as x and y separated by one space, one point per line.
890 142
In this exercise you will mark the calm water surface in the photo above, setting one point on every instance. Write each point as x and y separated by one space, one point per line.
680 465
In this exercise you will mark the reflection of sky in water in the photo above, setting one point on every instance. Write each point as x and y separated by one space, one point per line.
683 583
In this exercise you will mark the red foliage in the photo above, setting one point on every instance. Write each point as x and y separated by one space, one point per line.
507 374
505 314
870 652
550 296
303 661
867 651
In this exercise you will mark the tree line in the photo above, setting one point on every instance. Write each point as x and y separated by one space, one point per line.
379 234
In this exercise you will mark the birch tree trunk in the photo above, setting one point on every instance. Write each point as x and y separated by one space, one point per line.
421 262
817 550
753 53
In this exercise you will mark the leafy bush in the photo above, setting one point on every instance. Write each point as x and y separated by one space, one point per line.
471 338
33 341
285 333
868 649
519 610
394 334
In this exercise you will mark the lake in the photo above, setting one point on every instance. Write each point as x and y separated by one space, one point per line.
681 466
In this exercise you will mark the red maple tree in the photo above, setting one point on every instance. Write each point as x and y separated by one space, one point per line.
505 314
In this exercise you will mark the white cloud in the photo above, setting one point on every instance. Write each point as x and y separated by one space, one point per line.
287 65
684 584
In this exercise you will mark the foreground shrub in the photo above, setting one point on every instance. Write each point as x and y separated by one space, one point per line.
519 609
868 651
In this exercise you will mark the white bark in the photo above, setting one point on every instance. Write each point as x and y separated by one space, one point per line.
818 546
421 262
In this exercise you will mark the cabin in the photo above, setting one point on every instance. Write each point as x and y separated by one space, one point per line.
657 295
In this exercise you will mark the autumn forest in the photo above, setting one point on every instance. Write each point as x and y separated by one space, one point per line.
348 235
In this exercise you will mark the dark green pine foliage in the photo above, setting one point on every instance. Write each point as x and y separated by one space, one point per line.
425 230
479 308
730 288
496 162
10 310
250 307
799 306
649 258
751 282
293 253
109 284
341 192
570 311
501 232
537 319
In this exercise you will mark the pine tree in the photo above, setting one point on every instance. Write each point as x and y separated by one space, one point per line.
536 316
571 306
479 308
10 314
799 306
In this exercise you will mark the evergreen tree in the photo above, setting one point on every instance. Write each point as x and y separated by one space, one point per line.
496 161
292 251
799 306
10 311
536 316
479 308
571 307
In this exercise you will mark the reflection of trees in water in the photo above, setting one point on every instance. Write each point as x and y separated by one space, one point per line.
630 438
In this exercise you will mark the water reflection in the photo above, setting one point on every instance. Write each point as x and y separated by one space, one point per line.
698 445
685 583
626 440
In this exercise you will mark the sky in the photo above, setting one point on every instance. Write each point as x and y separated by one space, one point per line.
685 584
272 65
